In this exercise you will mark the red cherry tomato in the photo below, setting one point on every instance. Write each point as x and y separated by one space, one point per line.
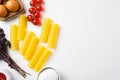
32 10
32 3
33 0
36 21
37 14
30 17
39 8
39 1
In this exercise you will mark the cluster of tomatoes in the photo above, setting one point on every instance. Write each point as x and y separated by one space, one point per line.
35 10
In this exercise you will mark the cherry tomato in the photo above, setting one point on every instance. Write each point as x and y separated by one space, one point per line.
33 0
36 21
39 8
39 1
37 14
32 10
30 17
32 3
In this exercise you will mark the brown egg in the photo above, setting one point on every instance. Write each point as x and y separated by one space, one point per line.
12 5
3 11
1 1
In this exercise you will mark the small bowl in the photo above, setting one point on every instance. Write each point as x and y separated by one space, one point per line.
12 15
46 69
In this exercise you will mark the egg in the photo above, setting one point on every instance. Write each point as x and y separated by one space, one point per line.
1 1
12 5
3 11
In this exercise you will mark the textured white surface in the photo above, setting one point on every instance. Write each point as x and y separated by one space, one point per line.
88 45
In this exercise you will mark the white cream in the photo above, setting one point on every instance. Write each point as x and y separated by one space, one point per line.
48 74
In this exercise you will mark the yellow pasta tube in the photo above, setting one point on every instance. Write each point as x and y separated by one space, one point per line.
42 60
26 42
38 53
31 48
22 27
53 36
45 30
13 37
